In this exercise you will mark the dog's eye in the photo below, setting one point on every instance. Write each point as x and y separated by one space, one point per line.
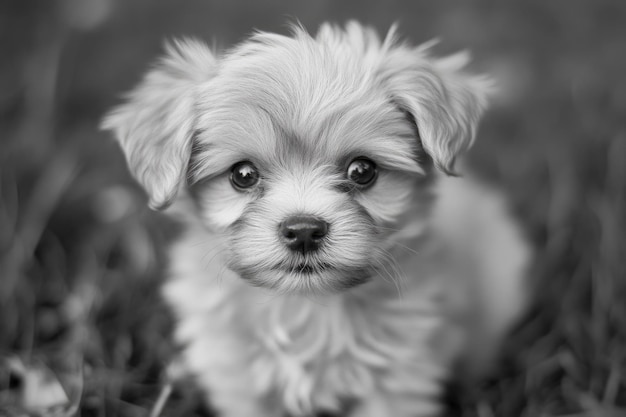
362 171
244 175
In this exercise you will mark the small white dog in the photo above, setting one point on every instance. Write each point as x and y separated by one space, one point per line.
327 264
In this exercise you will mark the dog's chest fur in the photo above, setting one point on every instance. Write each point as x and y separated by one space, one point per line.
323 352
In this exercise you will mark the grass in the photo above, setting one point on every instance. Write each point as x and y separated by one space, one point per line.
81 258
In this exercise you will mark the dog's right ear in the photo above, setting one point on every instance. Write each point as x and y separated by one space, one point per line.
155 126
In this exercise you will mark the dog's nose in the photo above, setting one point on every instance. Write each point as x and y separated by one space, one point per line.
303 233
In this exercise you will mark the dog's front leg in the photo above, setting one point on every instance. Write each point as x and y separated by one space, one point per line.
404 393
222 369
234 397
404 405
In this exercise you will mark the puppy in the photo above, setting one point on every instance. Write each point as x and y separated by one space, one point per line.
328 263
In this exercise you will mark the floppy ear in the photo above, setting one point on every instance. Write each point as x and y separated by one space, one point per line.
445 101
155 125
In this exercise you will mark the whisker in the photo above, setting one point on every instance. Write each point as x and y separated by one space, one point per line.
391 229
220 275
213 253
402 246
399 272
395 277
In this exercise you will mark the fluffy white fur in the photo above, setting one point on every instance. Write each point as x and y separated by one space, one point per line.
418 271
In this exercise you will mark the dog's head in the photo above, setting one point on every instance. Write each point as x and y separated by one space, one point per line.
308 153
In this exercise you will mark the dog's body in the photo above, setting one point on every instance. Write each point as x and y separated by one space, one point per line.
326 265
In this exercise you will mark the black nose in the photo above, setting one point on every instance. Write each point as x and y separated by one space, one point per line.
303 233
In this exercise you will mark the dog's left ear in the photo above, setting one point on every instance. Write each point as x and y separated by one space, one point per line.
155 126
445 101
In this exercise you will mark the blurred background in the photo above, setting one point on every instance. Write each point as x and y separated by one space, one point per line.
82 328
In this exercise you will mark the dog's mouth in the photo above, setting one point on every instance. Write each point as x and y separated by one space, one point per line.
305 268
307 276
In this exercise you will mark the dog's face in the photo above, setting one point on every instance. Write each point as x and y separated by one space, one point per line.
304 153
302 170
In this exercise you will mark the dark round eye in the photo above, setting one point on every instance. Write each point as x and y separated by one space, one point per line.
244 175
362 171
